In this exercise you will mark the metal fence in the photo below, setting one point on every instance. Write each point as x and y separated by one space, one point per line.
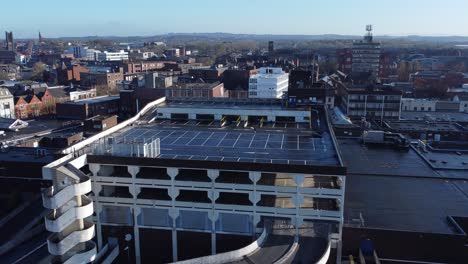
127 147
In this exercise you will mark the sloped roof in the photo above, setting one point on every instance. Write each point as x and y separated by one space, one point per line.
12 124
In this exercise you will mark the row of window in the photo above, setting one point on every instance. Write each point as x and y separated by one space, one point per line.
375 97
367 113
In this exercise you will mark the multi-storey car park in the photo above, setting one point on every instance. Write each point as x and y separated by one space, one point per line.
190 179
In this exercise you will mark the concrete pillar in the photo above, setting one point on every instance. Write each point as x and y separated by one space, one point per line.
297 222
192 116
298 200
213 216
174 213
213 174
94 168
255 176
299 179
254 197
271 118
172 172
218 117
98 210
136 234
133 170
213 195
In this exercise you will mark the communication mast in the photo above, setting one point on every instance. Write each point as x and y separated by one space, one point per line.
369 36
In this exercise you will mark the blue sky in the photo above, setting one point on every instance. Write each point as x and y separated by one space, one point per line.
57 18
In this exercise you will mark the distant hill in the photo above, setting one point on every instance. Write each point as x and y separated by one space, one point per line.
227 36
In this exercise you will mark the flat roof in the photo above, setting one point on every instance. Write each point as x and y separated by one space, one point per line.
447 160
436 116
229 103
383 161
94 100
423 126
28 155
405 203
193 140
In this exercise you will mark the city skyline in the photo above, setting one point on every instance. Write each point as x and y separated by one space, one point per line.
148 18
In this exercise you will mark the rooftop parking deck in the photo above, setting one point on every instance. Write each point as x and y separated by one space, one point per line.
270 144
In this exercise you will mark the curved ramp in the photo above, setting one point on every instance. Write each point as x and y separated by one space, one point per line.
277 244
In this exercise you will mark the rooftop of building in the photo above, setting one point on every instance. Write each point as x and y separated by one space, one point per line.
94 100
405 203
446 156
229 103
435 116
193 140
280 143
34 128
390 189
425 126
29 155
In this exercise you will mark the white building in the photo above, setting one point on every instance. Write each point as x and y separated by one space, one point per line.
7 104
112 56
418 105
268 83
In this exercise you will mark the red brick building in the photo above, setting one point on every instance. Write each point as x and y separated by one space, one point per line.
70 74
28 106
345 60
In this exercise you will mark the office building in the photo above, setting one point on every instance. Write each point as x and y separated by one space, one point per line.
268 83
112 56
374 103
366 54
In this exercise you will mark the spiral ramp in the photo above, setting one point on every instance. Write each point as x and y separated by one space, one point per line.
72 234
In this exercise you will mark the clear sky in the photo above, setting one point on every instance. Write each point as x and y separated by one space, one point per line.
59 18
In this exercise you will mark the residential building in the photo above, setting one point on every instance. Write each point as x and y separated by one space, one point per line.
7 104
268 83
373 102
28 106
7 57
366 54
138 55
70 74
154 80
345 60
104 79
112 56
142 66
172 52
